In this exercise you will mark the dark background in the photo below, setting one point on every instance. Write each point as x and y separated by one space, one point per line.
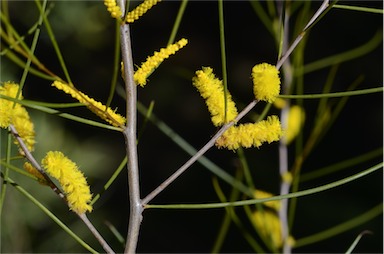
85 34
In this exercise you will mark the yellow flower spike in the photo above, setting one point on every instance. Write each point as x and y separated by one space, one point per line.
140 10
98 108
154 61
71 179
33 171
266 82
296 118
268 225
212 90
251 134
16 114
259 194
113 8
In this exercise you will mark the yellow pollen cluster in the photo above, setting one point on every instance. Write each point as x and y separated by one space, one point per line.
266 82
251 134
98 108
154 61
211 89
16 114
71 179
113 8
140 10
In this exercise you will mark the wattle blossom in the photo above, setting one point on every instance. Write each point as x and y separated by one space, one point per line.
212 90
266 82
71 179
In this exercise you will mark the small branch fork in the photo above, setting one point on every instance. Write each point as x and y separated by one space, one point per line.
137 204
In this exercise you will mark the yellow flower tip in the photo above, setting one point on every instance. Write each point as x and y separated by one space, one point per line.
140 10
96 107
251 134
212 90
16 114
259 194
154 61
113 8
296 118
266 82
71 179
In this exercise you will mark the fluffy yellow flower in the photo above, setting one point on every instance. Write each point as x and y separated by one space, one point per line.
16 114
154 61
251 134
113 8
140 10
71 179
296 117
266 82
212 90
96 107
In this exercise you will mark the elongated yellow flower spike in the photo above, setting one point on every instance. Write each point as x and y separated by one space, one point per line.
154 61
16 114
268 225
266 82
98 108
211 89
251 134
140 10
113 8
71 179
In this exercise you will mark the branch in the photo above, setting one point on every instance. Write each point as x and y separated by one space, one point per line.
136 208
200 153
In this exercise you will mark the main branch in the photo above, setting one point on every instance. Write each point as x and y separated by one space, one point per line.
129 132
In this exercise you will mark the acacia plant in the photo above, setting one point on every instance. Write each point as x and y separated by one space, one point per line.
271 132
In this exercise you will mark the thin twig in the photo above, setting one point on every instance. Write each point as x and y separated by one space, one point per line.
322 8
34 163
200 153
96 233
136 208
